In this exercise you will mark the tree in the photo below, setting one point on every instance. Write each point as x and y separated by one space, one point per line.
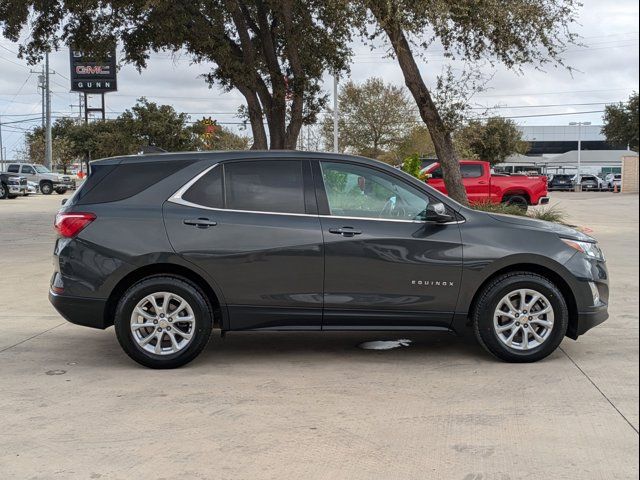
416 142
273 53
621 123
515 33
212 136
492 140
373 118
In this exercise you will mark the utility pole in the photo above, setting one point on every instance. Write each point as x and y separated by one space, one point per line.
48 144
335 113
578 185
1 149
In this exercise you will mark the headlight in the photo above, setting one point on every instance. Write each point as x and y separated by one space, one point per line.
589 249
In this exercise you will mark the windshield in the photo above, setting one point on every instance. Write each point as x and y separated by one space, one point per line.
42 169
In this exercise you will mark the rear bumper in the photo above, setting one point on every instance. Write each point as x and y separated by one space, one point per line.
543 201
88 312
16 189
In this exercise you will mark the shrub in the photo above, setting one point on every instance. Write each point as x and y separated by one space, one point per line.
549 214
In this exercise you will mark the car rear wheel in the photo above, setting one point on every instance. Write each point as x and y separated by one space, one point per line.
61 191
520 317
4 191
163 322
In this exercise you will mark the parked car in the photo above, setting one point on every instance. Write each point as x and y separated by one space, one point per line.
12 185
613 180
167 246
32 187
482 186
46 179
561 181
589 182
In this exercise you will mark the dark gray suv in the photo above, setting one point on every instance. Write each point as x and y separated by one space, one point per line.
167 247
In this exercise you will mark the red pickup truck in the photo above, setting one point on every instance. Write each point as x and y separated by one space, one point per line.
482 186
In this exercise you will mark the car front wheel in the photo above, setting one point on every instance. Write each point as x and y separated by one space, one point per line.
520 317
163 322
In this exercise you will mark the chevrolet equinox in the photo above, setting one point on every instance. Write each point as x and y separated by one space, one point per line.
166 247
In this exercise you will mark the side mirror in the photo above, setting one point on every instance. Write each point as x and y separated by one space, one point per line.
437 212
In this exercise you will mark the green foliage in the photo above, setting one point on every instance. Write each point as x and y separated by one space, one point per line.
417 141
145 124
411 165
493 140
621 123
273 53
373 118
549 214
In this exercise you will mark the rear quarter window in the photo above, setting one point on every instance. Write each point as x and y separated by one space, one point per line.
126 180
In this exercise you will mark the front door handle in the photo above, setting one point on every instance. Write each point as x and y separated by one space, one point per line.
200 222
345 231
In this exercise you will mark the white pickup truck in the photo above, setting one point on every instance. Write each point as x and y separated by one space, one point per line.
47 180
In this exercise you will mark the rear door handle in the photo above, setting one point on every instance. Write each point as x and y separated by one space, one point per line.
345 231
200 222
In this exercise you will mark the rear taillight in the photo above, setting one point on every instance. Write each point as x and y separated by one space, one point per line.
71 224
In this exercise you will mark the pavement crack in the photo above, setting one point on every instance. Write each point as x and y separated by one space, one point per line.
598 388
31 337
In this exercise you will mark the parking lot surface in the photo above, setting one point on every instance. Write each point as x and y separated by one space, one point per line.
313 405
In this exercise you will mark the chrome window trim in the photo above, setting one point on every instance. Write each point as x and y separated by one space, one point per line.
177 199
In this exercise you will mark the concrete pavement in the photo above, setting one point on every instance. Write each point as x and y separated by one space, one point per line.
296 405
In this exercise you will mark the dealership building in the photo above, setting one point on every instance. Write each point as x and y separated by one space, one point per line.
554 149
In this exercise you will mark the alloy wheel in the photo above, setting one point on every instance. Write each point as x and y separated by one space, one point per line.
523 319
163 323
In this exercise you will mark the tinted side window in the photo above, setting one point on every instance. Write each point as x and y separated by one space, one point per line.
436 173
356 191
26 169
207 191
13 168
128 179
265 186
471 171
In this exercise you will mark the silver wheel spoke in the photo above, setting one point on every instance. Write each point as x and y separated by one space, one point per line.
147 339
504 328
525 339
543 311
174 343
538 338
544 323
162 323
158 348
532 302
137 326
513 334
144 314
523 299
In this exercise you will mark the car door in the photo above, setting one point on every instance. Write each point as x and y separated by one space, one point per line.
252 226
476 186
385 268
29 172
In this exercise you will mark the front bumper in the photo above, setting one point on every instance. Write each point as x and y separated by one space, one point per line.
587 320
88 312
16 189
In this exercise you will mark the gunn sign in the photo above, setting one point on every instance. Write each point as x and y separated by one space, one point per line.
91 76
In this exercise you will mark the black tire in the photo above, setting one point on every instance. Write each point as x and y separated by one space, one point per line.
4 191
61 191
492 293
46 188
519 201
172 284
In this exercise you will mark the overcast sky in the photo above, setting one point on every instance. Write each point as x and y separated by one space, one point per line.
606 71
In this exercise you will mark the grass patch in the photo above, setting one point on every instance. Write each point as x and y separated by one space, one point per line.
549 214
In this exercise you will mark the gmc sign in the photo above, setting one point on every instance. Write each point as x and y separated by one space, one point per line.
90 75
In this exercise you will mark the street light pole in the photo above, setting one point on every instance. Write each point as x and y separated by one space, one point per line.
578 185
335 113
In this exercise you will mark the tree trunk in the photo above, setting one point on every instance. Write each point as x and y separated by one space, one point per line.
440 135
255 118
